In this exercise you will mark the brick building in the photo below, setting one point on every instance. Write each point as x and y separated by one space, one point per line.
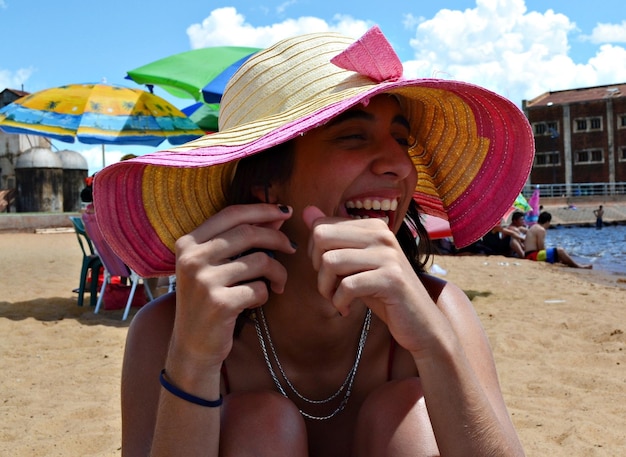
580 136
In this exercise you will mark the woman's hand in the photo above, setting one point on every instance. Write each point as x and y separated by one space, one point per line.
361 259
217 278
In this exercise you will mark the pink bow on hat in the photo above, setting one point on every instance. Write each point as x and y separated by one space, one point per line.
371 56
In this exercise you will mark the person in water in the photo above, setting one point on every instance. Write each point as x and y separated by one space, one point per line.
599 214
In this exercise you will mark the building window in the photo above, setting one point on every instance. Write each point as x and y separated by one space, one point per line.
588 156
539 128
596 156
588 124
622 121
595 123
622 154
548 128
547 159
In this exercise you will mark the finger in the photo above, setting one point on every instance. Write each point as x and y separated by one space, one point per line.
257 266
331 234
339 263
311 214
254 214
367 286
231 244
244 238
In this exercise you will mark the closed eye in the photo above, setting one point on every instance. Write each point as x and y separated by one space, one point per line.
403 141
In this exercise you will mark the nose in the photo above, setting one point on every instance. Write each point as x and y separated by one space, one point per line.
393 159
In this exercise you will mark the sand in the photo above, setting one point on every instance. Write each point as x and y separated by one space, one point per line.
558 337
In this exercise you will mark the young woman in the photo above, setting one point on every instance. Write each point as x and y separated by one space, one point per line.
303 321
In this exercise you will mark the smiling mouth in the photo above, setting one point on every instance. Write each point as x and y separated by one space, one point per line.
383 209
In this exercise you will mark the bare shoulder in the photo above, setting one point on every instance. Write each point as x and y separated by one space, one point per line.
453 303
443 292
460 312
158 312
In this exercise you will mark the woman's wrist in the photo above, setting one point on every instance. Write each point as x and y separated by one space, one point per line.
183 395
200 377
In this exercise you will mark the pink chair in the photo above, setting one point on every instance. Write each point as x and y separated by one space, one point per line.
113 265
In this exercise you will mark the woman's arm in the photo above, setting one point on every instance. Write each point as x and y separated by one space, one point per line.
358 259
144 357
190 339
461 385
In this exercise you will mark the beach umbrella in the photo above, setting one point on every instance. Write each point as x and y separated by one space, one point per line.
436 227
99 114
200 74
204 115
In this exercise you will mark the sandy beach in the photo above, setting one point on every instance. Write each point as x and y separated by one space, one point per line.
558 336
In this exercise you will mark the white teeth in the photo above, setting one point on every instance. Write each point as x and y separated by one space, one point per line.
376 205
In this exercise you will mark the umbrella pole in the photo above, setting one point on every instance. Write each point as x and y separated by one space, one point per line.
103 160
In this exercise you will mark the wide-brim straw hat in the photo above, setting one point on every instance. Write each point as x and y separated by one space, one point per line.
473 149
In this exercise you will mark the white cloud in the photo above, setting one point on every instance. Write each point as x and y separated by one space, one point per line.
15 79
226 27
498 44
502 46
283 6
410 21
608 33
608 64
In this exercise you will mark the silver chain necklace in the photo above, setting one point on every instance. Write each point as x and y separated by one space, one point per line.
345 386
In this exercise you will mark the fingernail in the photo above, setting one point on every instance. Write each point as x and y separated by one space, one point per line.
283 208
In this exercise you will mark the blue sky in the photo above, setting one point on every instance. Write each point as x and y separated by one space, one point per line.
518 48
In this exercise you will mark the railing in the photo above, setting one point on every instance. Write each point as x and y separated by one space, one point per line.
577 189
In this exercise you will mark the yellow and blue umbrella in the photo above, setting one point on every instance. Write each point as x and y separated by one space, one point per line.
99 114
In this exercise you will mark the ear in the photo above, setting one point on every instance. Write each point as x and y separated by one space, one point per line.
265 193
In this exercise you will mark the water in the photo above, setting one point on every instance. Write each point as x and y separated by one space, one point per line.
605 248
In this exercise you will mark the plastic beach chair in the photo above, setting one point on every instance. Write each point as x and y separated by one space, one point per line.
113 265
91 262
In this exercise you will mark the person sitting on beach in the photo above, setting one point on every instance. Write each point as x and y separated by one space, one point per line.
535 244
518 223
304 322
505 240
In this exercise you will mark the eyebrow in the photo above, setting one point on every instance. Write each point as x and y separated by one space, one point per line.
360 114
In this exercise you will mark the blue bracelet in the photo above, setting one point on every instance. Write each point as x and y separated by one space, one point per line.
171 388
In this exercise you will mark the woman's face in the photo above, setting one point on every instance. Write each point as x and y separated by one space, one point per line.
355 166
